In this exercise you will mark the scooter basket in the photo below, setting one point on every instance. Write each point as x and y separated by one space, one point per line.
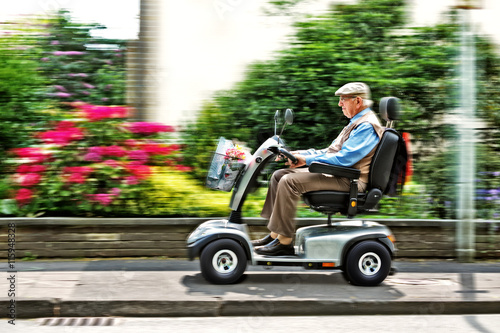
224 170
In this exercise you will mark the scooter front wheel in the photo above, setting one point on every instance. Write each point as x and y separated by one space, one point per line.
223 261
367 264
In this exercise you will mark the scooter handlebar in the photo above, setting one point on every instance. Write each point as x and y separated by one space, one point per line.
284 152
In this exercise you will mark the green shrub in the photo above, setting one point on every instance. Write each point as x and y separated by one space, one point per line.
176 193
91 163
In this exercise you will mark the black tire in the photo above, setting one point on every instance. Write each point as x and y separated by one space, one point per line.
368 263
223 261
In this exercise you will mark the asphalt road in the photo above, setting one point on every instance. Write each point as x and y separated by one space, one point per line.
351 324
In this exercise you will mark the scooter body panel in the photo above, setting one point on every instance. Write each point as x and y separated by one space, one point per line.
331 242
313 245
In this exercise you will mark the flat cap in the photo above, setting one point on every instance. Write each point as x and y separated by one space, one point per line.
356 89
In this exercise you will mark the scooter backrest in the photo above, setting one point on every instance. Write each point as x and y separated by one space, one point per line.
389 109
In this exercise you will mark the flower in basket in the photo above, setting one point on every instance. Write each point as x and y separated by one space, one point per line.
235 153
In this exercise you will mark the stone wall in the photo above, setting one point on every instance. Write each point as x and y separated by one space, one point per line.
147 237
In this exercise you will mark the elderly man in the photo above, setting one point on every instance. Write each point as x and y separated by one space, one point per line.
354 147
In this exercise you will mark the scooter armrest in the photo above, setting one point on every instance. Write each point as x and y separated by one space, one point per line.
334 170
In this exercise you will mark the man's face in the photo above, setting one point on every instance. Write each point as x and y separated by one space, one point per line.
350 105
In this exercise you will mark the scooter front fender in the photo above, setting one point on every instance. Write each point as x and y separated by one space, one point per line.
217 229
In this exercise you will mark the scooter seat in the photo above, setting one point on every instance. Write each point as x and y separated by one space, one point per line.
329 201
326 199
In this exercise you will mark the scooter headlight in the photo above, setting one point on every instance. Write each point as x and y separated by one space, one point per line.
197 234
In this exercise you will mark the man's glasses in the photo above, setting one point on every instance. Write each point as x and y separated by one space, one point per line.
342 99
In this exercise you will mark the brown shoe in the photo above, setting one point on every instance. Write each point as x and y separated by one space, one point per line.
263 241
275 248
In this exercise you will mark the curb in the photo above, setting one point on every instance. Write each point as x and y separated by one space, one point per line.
214 308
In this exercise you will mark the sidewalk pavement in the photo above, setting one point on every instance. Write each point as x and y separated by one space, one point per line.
263 292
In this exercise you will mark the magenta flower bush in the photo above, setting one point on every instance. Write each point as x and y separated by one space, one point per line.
92 163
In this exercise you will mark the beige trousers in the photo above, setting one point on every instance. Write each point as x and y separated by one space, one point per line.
285 190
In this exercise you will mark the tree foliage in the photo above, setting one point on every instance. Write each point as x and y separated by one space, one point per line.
80 66
368 42
21 85
51 60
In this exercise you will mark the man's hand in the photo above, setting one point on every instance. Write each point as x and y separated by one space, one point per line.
281 157
301 161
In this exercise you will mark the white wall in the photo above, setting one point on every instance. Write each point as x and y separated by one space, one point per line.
206 46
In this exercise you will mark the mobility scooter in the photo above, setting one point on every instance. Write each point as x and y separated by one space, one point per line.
362 250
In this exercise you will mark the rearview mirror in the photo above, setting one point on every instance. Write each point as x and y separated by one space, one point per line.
289 116
276 119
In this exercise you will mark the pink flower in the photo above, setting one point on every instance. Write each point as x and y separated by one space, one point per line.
115 151
88 85
27 152
102 198
235 153
77 178
60 94
99 112
95 153
83 170
111 163
139 155
77 74
65 125
139 170
62 137
74 53
131 180
148 128
30 179
92 157
76 174
60 88
115 191
96 150
24 196
25 168
36 155
105 198
158 149
183 168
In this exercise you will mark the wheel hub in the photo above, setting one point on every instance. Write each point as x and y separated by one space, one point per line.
369 263
225 261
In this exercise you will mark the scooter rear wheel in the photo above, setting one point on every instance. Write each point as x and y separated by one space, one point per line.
223 262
